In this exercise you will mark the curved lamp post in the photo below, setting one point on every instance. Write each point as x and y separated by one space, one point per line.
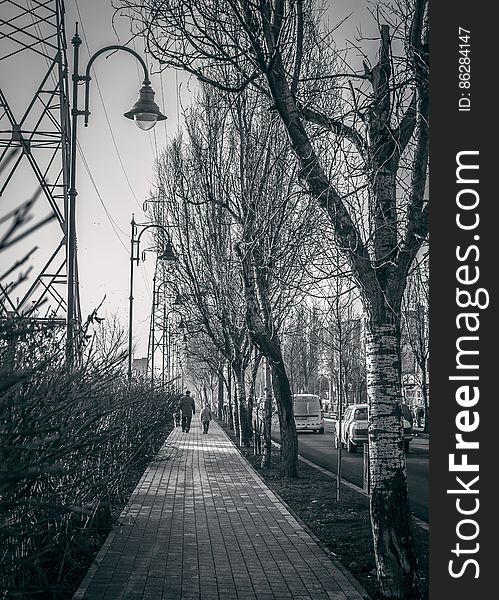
167 255
145 112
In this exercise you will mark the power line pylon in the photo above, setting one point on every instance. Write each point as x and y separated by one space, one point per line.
163 351
34 161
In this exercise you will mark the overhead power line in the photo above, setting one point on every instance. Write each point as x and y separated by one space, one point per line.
113 223
120 160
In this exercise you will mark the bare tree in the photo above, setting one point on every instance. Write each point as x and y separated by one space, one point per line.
208 262
415 328
380 132
233 174
210 293
303 334
274 220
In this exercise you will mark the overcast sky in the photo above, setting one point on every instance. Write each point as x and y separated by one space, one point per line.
123 177
120 157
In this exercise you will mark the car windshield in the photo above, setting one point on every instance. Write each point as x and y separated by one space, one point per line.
360 414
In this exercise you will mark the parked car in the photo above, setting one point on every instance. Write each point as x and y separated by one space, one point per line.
354 427
308 413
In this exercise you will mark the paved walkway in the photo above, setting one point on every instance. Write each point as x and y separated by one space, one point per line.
201 524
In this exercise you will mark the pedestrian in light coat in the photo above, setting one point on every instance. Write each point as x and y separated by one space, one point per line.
206 417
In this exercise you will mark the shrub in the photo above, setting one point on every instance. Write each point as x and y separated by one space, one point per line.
68 441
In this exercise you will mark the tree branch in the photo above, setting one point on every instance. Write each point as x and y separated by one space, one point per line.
335 126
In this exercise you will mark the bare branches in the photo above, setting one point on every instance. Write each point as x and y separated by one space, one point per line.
299 48
336 126
19 218
68 443
236 44
365 168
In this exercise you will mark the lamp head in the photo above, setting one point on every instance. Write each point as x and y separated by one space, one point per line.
168 255
145 112
179 300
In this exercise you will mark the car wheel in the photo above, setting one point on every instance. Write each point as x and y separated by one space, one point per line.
321 430
352 448
406 446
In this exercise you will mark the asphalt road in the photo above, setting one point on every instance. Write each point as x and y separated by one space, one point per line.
320 450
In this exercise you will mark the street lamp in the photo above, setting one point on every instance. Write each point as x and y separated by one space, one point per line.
167 255
145 112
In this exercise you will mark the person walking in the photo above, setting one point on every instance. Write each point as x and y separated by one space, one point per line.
187 409
419 415
177 417
206 417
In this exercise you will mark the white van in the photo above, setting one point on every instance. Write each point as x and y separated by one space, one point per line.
308 413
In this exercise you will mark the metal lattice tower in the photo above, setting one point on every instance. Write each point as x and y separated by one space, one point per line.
164 350
34 160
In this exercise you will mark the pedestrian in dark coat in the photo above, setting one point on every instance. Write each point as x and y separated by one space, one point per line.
187 409
419 415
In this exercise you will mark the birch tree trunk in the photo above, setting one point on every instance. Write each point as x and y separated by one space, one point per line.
396 562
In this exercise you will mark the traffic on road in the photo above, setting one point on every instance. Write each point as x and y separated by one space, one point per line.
320 449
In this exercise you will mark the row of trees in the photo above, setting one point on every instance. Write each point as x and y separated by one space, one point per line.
323 337
297 167
241 222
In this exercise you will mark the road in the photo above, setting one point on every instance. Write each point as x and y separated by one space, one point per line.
320 450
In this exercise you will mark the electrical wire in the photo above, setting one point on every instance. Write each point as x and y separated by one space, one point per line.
106 114
154 152
146 282
163 103
113 223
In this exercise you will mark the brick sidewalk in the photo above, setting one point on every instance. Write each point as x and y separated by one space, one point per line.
201 524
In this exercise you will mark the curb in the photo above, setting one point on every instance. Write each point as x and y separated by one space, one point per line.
356 488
